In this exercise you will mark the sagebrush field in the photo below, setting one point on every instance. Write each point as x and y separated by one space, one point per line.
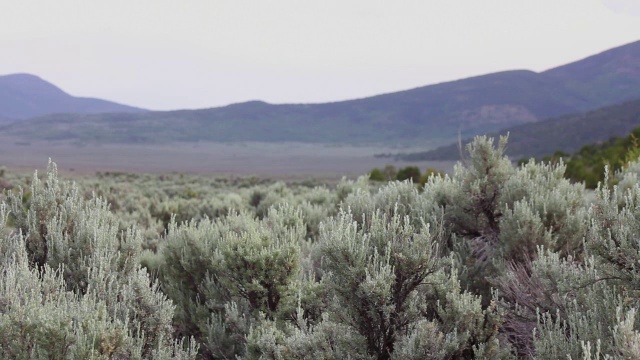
495 261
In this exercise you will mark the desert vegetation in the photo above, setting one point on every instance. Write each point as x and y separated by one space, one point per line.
589 163
495 261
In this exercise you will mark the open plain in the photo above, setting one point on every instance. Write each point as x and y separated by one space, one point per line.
280 161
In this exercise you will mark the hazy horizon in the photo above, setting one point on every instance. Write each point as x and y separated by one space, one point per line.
166 55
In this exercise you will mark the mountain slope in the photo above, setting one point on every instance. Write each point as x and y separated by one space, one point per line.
432 114
606 78
25 96
436 112
567 133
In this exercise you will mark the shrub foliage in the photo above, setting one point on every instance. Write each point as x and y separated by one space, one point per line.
493 261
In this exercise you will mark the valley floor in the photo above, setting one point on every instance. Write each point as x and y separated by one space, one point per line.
276 160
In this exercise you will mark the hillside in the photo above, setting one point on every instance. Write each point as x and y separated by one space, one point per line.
588 164
567 133
428 115
604 79
25 96
432 113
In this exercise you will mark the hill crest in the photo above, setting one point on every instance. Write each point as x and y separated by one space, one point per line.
25 95
430 115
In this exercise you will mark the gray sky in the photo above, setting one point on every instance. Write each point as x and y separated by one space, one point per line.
202 53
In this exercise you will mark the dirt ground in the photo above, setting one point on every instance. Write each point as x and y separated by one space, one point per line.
281 160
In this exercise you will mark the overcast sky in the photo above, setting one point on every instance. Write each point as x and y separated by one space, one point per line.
201 53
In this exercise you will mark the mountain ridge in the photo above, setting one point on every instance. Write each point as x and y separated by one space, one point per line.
432 114
25 96
567 134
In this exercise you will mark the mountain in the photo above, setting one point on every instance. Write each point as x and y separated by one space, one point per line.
604 79
25 96
431 113
567 134
428 115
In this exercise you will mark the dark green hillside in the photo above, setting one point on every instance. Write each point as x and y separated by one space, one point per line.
567 134
588 164
24 96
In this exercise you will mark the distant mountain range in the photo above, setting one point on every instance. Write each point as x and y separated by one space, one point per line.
427 115
25 96
568 134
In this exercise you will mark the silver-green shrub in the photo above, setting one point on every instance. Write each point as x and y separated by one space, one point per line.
497 212
388 290
496 216
72 287
227 274
492 261
586 306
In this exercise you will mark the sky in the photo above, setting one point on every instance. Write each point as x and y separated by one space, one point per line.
163 55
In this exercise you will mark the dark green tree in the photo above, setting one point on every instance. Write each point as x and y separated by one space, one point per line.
409 172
